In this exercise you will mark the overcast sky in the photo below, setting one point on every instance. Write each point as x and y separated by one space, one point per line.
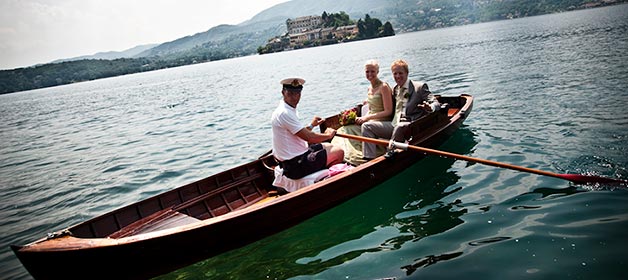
40 31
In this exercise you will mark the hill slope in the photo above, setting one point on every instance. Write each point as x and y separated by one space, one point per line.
111 54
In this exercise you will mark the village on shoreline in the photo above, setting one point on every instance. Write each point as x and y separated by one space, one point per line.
327 29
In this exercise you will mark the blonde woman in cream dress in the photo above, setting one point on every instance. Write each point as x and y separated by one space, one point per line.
380 108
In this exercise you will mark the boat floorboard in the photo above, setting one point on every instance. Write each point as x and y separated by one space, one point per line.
267 199
164 219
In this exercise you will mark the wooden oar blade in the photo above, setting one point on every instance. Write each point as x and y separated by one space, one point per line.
585 179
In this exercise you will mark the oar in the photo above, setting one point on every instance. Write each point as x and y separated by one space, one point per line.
576 178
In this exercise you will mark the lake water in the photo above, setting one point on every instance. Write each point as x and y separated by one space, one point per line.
550 94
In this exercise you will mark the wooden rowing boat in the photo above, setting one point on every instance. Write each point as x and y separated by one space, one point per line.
211 216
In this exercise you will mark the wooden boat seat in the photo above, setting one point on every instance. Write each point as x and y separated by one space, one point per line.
446 108
452 111
163 219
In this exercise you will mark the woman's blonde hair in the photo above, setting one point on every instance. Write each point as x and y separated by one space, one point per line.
372 62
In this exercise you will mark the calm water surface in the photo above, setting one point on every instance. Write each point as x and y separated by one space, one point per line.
550 94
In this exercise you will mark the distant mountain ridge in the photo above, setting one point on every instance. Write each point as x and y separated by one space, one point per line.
130 53
297 8
221 34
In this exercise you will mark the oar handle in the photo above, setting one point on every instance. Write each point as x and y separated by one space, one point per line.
576 178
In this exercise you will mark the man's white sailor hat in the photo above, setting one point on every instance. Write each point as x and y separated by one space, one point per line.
293 83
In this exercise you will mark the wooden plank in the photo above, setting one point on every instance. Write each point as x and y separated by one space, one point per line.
172 219
217 191
163 219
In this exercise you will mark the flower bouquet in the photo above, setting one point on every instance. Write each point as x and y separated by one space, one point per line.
348 117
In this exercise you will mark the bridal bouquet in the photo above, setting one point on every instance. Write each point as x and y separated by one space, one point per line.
348 117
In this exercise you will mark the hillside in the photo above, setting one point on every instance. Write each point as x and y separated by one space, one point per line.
132 52
297 8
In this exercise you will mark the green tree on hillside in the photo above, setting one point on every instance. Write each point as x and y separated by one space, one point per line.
336 20
373 27
387 30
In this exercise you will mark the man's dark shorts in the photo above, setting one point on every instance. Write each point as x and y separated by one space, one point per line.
313 160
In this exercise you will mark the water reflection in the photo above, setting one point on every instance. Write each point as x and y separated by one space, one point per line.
388 229
429 260
549 193
488 240
542 193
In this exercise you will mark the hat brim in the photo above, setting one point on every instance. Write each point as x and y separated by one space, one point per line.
293 82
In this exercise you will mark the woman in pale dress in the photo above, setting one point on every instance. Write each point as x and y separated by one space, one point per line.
380 108
379 98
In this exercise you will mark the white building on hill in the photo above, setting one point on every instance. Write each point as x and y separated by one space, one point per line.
303 24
